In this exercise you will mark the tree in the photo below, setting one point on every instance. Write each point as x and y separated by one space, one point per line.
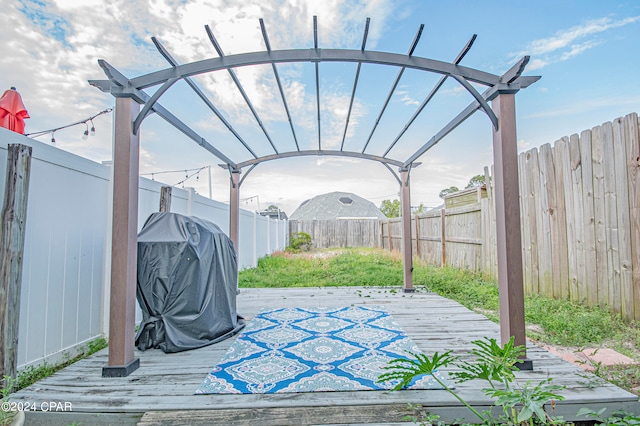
273 208
477 180
420 209
447 191
390 208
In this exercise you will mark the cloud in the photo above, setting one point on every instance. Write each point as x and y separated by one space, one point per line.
403 96
588 105
50 49
566 44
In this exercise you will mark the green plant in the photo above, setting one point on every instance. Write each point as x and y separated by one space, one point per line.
616 418
405 370
494 364
520 405
299 241
421 417
6 416
33 373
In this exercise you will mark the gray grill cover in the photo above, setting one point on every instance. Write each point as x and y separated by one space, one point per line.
187 284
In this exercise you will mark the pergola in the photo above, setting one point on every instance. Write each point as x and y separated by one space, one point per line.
133 105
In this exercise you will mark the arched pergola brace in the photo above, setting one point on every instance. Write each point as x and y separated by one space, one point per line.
234 77
165 53
253 166
412 48
146 110
317 153
118 85
277 76
431 94
395 175
480 99
315 55
488 95
355 82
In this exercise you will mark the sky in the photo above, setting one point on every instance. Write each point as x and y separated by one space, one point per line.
585 51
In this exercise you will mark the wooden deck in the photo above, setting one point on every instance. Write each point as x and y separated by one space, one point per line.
162 388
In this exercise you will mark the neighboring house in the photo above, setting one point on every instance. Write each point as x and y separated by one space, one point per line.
336 205
274 214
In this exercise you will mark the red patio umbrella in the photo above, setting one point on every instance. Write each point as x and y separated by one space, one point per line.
12 111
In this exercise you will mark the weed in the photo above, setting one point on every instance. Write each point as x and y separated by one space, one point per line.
31 374
495 365
616 418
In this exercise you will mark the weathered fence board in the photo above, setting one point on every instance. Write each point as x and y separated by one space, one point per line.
563 236
611 218
623 221
535 218
549 223
575 165
589 223
12 237
597 140
632 139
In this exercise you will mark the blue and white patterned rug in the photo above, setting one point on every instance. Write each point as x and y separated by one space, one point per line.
313 350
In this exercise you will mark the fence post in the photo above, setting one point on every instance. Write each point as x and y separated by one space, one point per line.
443 236
14 217
165 199
417 235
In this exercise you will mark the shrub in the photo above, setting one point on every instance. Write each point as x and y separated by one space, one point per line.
299 241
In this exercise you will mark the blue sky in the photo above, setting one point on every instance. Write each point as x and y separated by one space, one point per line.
585 51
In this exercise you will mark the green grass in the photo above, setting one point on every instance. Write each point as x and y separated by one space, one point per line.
349 267
556 322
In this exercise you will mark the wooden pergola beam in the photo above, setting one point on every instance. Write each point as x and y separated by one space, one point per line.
234 209
407 254
508 238
124 242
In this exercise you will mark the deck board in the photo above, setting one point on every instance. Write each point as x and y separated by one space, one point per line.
166 382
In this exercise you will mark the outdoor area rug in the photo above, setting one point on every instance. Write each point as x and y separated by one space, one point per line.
313 350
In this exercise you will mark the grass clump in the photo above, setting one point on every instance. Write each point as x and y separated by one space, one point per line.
30 375
569 323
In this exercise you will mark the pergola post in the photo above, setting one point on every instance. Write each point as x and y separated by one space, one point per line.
406 230
509 245
234 209
124 242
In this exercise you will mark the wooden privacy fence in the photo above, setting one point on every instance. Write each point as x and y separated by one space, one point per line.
448 237
580 202
340 232
580 217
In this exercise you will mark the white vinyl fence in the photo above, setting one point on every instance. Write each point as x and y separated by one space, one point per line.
66 264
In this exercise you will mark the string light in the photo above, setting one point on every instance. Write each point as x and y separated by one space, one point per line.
187 176
86 133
